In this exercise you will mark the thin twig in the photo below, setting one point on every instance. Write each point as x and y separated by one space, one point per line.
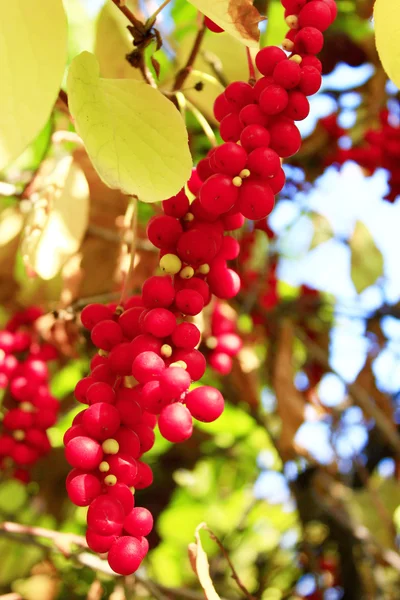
252 73
235 575
153 17
184 72
130 219
204 124
129 14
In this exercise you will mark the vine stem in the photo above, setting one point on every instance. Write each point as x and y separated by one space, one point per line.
129 14
153 17
130 220
235 575
204 124
184 72
252 72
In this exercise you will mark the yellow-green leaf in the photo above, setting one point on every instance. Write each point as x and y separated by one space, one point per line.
322 230
366 258
114 42
386 18
239 18
33 53
58 220
134 136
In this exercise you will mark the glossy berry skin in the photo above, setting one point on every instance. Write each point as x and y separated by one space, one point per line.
205 403
285 137
186 335
256 199
264 162
175 423
125 555
287 73
139 522
218 194
93 314
310 81
231 128
101 420
239 94
315 14
158 291
147 366
105 516
309 40
189 302
159 322
99 543
212 26
221 107
174 381
298 106
106 334
83 453
164 231
273 99
230 159
83 488
267 58
176 206
123 494
254 136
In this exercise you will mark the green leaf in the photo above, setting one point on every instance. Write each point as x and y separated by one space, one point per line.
12 496
32 60
386 20
366 258
276 26
135 137
323 231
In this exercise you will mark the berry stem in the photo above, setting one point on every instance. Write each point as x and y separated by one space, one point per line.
130 220
150 21
252 72
184 72
206 127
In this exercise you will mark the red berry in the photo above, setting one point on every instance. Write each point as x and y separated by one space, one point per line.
146 437
263 162
125 555
122 493
186 335
164 231
225 283
83 488
189 302
100 392
106 334
129 411
174 382
218 194
139 522
99 543
254 136
230 128
212 26
230 158
145 342
158 291
101 420
159 322
298 106
195 362
310 80
147 366
285 138
144 476
175 423
105 516
267 58
128 441
315 14
176 206
124 467
287 73
309 40
277 181
238 95
221 107
252 115
256 199
83 453
129 321
93 314
273 99
220 362
205 403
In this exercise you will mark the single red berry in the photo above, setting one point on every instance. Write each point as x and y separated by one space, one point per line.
175 423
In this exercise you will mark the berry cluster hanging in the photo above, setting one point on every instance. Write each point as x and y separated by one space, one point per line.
152 337
29 407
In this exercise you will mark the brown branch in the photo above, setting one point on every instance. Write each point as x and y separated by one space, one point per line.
62 542
183 73
235 575
129 14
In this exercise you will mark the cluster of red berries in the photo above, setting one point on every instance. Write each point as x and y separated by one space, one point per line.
29 407
224 342
380 149
257 122
148 356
